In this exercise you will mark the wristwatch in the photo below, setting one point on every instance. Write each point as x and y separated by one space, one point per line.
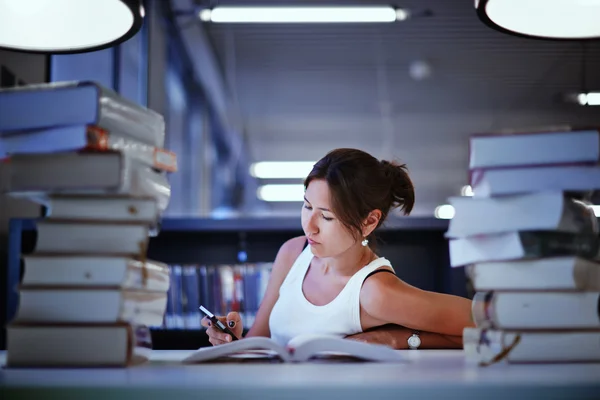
414 341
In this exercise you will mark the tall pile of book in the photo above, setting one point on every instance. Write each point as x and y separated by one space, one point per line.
530 244
97 163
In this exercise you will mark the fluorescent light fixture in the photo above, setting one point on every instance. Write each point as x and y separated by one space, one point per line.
67 26
466 190
317 14
542 19
274 192
589 99
444 211
281 169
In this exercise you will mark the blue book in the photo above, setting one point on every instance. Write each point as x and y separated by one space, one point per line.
77 103
190 288
178 298
203 285
170 309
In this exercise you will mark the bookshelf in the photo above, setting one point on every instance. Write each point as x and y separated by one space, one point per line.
415 246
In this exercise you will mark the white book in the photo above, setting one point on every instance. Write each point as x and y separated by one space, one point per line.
78 137
114 345
90 305
84 208
508 181
486 345
92 271
106 173
78 102
522 245
552 273
91 238
536 310
531 211
537 148
303 348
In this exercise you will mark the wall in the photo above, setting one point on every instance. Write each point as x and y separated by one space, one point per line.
27 69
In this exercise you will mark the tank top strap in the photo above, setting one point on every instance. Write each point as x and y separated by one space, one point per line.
368 269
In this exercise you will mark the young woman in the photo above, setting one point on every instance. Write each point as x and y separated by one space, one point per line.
331 281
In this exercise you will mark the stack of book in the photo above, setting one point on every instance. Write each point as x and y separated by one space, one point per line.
531 247
96 161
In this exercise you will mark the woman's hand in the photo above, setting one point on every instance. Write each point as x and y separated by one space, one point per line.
216 336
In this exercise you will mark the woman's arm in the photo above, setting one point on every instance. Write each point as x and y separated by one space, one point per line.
397 337
284 260
385 299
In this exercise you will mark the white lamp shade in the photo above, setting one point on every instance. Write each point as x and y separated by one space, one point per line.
543 19
67 26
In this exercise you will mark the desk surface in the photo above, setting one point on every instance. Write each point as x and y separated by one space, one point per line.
428 373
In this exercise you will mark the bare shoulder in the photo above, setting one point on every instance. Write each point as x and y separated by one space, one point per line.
288 252
378 287
294 245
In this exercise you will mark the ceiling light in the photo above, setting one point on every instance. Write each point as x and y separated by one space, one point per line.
589 99
286 14
596 210
281 169
466 190
542 19
445 211
67 26
281 193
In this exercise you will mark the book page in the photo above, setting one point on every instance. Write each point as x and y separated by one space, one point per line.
245 350
332 348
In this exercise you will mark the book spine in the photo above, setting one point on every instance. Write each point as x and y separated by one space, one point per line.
190 289
480 309
488 346
139 348
168 321
148 275
577 217
141 180
178 298
549 244
203 285
558 310
159 158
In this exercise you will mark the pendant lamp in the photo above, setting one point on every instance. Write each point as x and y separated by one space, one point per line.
543 19
67 26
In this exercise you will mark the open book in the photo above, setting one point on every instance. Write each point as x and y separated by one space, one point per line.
302 348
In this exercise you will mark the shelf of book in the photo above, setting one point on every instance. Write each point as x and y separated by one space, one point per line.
230 260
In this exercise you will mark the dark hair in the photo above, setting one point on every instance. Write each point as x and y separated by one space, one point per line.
359 184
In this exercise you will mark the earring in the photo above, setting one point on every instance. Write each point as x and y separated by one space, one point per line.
365 242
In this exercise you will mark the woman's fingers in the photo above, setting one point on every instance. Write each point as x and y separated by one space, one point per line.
216 342
234 322
215 336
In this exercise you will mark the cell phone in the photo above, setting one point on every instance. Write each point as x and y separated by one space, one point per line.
218 324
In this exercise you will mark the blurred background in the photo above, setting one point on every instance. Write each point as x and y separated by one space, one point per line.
238 95
413 90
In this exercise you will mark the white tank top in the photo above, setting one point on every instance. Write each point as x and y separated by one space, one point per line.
294 315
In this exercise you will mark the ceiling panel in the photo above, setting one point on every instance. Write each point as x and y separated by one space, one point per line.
306 89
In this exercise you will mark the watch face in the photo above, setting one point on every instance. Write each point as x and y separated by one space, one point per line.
414 341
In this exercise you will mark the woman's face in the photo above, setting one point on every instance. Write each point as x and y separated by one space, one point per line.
326 234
